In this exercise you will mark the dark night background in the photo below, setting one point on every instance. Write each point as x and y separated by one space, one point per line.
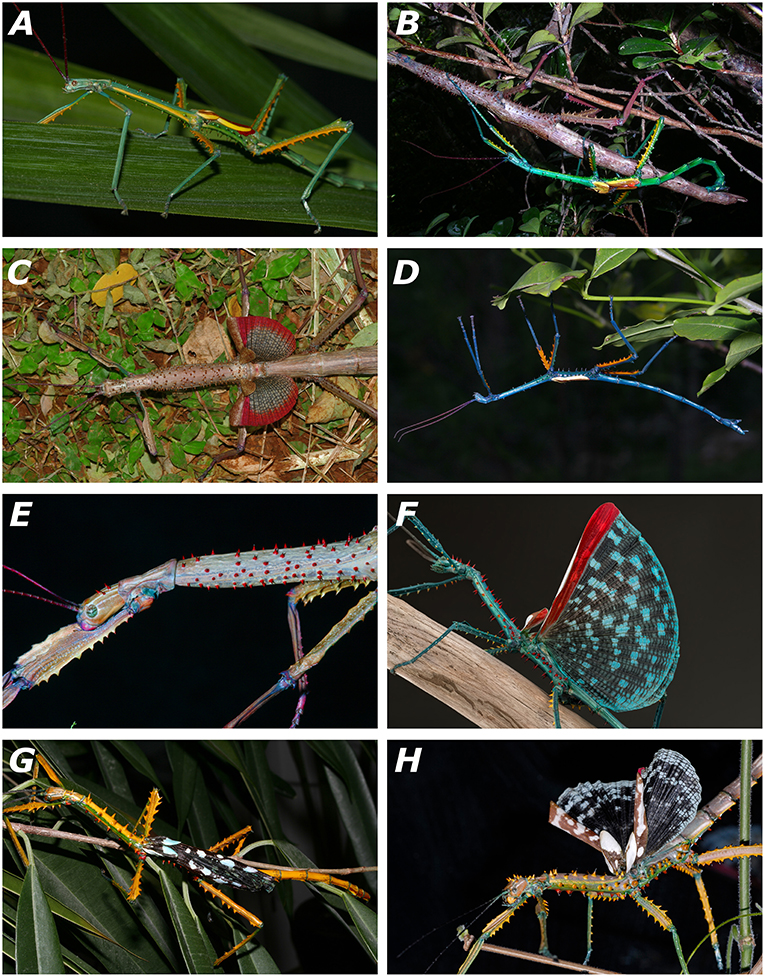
561 432
90 25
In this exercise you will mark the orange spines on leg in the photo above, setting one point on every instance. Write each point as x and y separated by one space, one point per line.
235 907
337 126
144 823
240 835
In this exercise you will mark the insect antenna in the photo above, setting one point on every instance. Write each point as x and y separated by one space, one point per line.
416 544
463 158
430 420
61 602
461 928
42 45
63 34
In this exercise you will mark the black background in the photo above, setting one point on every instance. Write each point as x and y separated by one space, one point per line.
98 39
559 432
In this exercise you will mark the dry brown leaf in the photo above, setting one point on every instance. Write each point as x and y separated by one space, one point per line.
208 341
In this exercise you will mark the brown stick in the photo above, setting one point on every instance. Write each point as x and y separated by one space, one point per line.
479 686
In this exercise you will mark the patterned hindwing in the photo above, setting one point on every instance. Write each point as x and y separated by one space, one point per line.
617 633
628 820
603 816
268 399
672 797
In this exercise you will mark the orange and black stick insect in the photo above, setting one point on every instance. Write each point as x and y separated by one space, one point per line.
213 867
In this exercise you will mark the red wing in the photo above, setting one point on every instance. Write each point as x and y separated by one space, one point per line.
600 522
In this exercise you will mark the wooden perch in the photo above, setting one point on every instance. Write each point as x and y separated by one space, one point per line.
479 686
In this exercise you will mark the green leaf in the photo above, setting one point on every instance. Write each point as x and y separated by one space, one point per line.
608 259
736 289
74 165
278 35
645 45
584 12
173 930
38 950
543 279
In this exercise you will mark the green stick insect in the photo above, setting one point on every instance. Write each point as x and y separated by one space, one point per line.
206 125
595 182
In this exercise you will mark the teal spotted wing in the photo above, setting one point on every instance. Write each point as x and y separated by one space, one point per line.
612 628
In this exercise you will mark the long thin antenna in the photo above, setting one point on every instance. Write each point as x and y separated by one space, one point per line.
63 34
42 45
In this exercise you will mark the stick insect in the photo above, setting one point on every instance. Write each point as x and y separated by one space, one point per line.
224 644
617 370
595 182
609 639
523 548
555 95
219 791
624 938
190 294
557 431
180 38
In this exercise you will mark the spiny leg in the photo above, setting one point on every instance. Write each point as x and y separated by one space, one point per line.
235 907
549 364
665 922
290 677
633 355
643 152
261 126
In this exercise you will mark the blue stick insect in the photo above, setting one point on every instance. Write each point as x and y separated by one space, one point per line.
601 371
610 639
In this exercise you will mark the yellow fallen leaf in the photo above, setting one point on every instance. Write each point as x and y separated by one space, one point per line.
123 273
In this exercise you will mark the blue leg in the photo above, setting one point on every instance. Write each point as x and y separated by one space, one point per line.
659 712
733 425
458 626
473 350
630 347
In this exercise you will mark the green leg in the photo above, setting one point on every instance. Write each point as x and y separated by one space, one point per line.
120 153
541 911
184 183
179 97
318 174
179 100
